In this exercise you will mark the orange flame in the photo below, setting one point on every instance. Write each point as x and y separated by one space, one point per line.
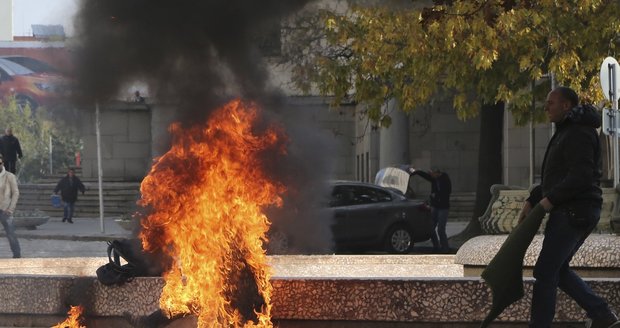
206 197
73 319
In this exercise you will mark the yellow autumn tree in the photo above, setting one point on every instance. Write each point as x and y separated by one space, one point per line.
487 55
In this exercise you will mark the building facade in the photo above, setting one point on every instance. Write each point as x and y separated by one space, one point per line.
6 20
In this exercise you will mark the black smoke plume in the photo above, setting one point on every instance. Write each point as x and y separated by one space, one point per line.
192 53
195 55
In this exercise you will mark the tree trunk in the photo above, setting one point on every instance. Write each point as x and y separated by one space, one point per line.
489 166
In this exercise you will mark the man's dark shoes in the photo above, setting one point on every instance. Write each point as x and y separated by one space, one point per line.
70 221
64 219
16 256
609 321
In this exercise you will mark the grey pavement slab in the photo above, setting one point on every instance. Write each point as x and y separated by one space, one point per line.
59 248
82 229
84 238
57 239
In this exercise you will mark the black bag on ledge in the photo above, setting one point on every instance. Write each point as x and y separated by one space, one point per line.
138 263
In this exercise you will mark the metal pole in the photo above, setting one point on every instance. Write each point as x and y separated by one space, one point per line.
51 157
614 103
531 128
553 85
506 146
99 169
532 152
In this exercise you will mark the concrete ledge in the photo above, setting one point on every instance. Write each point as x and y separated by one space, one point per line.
439 300
71 266
598 257
325 294
447 300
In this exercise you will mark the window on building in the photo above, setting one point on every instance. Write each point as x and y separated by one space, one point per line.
362 170
357 168
367 166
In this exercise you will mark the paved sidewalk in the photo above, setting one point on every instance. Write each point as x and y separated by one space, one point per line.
84 238
55 239
83 229
452 228
89 229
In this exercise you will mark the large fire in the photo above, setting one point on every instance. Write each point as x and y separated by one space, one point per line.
206 198
73 319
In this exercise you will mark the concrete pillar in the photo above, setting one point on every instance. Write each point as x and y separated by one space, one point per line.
394 141
6 20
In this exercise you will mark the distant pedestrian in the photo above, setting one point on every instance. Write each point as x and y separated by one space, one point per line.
9 194
137 97
68 187
441 188
11 150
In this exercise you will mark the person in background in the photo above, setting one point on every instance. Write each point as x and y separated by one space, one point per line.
68 187
10 149
441 188
9 194
137 97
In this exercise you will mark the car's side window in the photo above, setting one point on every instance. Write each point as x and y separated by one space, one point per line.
366 195
357 195
4 76
383 196
341 196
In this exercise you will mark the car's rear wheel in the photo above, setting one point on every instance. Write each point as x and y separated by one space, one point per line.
399 240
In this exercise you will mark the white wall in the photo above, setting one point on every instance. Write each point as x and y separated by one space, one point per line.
6 20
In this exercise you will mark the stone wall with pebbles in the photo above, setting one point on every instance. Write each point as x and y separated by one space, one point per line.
392 300
424 300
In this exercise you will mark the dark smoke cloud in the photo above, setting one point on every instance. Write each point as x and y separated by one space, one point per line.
194 55
190 52
304 219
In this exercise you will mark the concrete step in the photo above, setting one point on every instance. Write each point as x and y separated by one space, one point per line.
119 197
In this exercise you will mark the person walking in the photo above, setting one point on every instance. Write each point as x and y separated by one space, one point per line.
10 149
68 187
570 192
9 194
441 188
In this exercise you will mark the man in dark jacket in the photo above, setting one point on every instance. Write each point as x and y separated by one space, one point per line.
68 187
10 150
570 192
441 188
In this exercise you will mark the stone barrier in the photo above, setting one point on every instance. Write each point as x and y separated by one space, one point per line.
423 300
598 257
502 213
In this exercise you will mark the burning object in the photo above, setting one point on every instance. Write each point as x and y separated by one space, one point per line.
206 198
74 318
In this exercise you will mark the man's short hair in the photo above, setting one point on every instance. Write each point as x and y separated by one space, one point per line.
568 94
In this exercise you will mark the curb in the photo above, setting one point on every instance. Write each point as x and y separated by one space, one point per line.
69 238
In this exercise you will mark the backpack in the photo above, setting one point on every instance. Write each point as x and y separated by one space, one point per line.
139 264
